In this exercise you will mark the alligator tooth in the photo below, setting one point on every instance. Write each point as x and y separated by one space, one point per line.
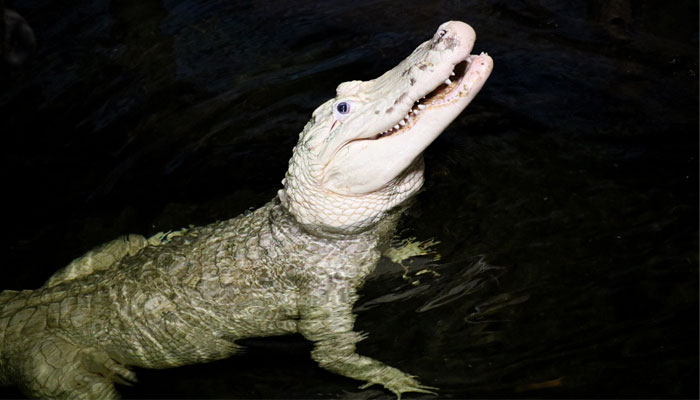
452 73
417 112
421 107
396 126
402 122
447 81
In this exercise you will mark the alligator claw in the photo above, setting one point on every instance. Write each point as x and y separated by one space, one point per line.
404 384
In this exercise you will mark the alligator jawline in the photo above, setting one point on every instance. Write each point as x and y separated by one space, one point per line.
442 95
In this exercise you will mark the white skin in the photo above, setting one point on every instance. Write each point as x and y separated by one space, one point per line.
343 176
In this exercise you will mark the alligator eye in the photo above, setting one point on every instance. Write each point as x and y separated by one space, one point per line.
343 107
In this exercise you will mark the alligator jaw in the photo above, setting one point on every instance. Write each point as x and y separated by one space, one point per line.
359 155
454 87
424 97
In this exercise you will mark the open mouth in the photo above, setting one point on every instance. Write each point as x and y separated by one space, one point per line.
447 92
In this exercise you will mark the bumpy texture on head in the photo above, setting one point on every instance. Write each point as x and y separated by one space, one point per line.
360 154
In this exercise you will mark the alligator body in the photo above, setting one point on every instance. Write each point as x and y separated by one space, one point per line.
293 265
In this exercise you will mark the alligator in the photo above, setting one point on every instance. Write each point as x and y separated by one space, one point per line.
292 266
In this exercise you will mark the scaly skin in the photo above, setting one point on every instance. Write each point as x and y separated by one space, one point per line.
293 265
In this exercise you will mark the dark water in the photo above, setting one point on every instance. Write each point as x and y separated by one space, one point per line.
565 198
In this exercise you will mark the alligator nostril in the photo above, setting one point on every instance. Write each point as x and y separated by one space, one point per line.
439 35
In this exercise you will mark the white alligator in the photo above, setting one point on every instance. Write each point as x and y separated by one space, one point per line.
293 265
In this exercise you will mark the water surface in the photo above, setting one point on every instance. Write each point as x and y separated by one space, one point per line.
565 198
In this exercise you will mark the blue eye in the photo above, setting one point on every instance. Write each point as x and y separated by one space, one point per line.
343 107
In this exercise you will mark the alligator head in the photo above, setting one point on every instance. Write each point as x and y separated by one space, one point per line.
360 154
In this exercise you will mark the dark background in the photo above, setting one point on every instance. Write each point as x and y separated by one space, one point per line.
565 197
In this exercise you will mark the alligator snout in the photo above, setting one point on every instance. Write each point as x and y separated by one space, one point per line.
451 35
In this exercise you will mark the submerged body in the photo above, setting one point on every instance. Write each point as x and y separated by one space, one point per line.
293 265
186 301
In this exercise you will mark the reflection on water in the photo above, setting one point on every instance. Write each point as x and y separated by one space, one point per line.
565 198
